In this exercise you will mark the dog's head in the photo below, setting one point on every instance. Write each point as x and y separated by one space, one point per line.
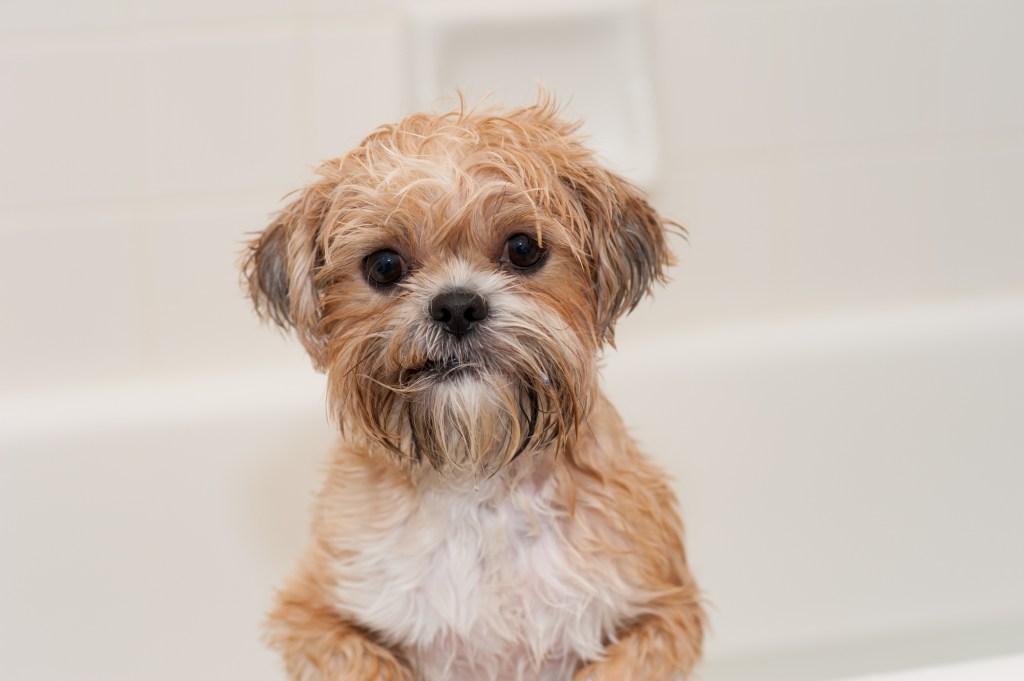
456 275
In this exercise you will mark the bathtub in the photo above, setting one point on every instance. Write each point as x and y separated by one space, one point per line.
851 486
1008 668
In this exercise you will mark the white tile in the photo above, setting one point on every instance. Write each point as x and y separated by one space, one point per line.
862 70
328 8
70 301
69 125
222 113
166 12
32 15
982 86
356 83
724 75
196 316
735 261
864 229
979 226
800 234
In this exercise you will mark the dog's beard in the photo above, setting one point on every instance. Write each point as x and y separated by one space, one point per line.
475 404
474 416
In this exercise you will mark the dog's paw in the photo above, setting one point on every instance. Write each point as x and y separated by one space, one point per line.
346 668
344 657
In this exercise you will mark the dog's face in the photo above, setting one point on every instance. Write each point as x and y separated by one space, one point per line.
456 276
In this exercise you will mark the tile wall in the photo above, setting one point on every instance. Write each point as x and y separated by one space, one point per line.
824 154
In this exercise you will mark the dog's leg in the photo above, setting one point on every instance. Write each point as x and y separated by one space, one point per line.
660 647
317 642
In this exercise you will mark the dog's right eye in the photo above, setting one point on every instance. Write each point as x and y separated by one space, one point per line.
522 252
384 268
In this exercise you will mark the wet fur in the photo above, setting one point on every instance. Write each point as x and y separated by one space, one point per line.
491 521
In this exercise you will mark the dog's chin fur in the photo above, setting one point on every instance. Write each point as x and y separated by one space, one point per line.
487 516
478 420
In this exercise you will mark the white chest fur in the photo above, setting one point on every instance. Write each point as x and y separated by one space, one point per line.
481 584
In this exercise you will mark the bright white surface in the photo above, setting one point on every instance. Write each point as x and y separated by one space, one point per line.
1000 669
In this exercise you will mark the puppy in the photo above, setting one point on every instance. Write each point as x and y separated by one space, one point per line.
487 516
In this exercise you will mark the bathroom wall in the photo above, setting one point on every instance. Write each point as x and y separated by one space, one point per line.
825 155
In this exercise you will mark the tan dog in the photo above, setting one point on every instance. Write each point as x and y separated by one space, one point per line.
487 516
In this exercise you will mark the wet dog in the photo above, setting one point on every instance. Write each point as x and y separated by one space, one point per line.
487 516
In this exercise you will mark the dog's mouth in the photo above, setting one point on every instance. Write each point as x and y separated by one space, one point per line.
442 369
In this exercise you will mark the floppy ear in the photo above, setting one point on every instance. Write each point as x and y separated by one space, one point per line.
628 249
279 265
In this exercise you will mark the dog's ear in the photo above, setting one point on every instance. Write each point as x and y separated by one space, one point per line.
628 249
279 267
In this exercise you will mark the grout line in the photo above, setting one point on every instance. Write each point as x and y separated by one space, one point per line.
304 88
930 147
135 30
795 154
68 213
864 328
155 397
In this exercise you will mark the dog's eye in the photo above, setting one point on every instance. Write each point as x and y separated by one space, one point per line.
384 268
523 252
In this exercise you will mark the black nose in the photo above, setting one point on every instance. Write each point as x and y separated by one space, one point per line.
457 311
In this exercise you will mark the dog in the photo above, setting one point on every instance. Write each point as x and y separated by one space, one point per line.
487 516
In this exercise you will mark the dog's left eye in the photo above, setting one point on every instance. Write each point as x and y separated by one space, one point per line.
384 268
523 252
